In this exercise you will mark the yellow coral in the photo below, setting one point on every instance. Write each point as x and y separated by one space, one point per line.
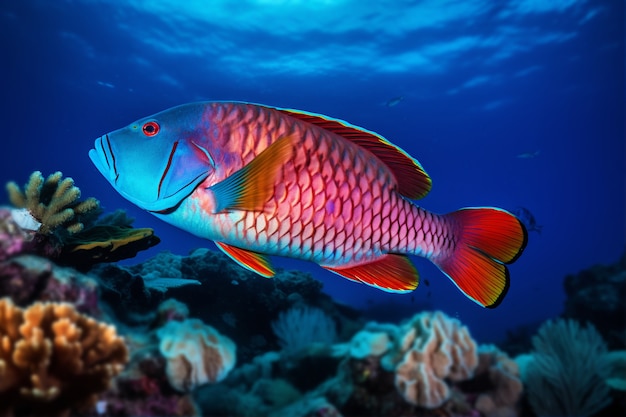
54 359
52 202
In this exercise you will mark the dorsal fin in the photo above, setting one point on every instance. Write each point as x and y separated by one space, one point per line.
413 182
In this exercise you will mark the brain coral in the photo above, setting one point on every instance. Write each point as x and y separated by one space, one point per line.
435 347
54 359
505 386
196 354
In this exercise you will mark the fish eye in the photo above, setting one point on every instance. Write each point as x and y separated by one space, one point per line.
150 128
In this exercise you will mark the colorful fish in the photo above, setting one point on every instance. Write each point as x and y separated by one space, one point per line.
262 181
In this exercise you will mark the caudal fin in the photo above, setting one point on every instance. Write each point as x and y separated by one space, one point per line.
486 240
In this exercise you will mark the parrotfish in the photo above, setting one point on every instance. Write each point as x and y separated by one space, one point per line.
260 181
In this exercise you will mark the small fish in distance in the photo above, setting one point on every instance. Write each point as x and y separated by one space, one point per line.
528 155
262 181
528 219
392 102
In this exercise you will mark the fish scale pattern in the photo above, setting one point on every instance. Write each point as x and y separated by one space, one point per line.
245 131
333 203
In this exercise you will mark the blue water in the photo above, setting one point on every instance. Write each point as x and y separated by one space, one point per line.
480 82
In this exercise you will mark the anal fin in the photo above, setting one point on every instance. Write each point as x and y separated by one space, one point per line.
253 261
390 272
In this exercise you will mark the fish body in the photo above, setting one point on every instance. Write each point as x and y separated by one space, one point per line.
263 181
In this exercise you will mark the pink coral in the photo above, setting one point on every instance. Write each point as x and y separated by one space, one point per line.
143 390
28 277
435 348
506 387
196 354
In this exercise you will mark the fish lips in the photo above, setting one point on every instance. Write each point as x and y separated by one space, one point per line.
103 158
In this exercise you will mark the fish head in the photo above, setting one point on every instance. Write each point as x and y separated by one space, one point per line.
158 161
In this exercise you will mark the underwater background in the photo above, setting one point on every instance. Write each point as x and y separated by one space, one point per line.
517 104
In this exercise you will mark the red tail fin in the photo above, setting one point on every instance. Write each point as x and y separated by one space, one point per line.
486 239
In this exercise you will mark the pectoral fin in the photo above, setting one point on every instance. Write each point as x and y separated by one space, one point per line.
253 185
252 261
391 272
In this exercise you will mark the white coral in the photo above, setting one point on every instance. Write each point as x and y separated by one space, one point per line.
299 327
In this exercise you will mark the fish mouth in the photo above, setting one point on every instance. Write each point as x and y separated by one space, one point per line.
103 158
169 195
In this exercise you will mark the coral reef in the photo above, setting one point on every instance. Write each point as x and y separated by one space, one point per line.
104 243
366 343
299 353
435 348
228 295
359 377
504 386
598 295
613 369
14 239
29 278
54 359
301 326
196 354
279 384
50 221
144 390
563 376
94 244
53 202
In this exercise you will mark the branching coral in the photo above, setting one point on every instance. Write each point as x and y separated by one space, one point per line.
54 359
67 229
53 202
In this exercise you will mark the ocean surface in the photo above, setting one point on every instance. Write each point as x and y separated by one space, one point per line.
515 103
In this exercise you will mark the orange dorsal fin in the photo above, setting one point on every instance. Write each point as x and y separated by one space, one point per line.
253 261
412 180
253 185
392 273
